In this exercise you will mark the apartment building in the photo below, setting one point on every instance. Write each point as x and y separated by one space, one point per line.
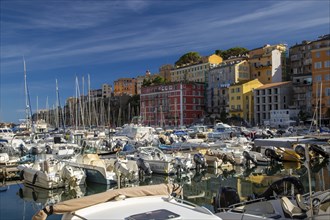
106 90
125 86
165 71
230 71
301 70
268 63
196 72
241 99
271 96
174 104
321 81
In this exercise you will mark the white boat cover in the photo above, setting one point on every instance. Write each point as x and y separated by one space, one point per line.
87 201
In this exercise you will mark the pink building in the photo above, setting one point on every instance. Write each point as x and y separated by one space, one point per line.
175 104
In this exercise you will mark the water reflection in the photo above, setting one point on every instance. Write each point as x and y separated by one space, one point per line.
198 187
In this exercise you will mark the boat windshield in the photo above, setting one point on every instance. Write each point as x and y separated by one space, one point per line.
160 214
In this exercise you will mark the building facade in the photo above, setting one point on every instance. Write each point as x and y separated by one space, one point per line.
241 99
196 72
165 71
301 71
283 118
321 82
220 78
174 104
272 96
125 86
106 90
268 63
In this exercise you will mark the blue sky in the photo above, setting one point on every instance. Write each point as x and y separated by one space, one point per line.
112 39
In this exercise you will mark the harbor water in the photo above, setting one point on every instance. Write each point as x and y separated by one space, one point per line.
20 201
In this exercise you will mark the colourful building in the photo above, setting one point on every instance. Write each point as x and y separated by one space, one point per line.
195 72
125 86
321 81
241 99
301 72
229 72
174 104
268 63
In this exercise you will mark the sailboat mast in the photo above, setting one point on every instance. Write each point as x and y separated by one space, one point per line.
320 114
89 103
26 98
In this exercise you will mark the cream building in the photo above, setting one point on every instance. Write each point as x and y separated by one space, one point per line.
271 96
229 72
195 72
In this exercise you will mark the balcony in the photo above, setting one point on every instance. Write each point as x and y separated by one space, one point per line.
235 110
266 66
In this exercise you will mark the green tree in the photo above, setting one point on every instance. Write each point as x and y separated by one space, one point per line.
235 51
158 80
188 58
146 82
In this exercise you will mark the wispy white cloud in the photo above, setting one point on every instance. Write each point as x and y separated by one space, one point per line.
61 38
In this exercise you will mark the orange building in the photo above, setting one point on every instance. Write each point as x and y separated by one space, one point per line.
125 86
267 63
321 80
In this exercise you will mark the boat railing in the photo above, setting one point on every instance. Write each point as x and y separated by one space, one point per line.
197 207
245 203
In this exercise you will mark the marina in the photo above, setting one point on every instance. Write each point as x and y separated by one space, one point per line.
20 201
232 133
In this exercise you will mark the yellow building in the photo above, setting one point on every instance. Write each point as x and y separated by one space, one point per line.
268 63
195 72
321 80
241 102
125 86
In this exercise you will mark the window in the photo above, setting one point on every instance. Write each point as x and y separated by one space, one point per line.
318 78
317 54
327 63
238 97
328 52
327 77
318 65
327 91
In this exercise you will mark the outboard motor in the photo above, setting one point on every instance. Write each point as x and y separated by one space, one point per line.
317 149
178 165
57 140
34 151
225 197
144 167
48 149
22 150
162 141
270 133
200 161
171 140
300 150
270 153
248 158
